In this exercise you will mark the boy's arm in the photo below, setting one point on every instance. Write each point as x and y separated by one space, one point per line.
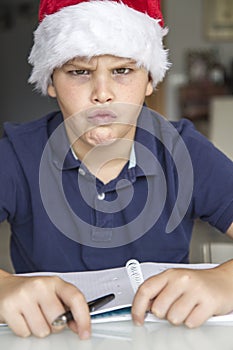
29 305
230 231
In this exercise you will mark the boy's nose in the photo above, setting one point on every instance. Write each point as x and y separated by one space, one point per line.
102 91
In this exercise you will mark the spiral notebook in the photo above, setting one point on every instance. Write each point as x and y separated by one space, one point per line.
123 282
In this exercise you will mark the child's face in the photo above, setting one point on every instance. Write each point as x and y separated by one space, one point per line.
108 83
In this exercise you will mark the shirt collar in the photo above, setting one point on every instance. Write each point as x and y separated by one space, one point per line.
132 158
62 156
146 144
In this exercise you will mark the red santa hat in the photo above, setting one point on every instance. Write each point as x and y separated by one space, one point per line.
71 28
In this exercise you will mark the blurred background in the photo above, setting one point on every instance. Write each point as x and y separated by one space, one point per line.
199 85
200 43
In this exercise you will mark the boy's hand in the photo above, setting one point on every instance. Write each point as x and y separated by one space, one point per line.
29 305
185 295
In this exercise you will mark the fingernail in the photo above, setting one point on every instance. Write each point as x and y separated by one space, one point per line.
189 324
137 322
43 333
85 335
158 313
174 321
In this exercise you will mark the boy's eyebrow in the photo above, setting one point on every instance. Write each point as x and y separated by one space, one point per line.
76 64
125 62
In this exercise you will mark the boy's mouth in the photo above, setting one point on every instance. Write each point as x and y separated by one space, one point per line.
101 117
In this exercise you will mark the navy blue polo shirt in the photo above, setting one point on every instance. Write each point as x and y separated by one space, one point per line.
64 219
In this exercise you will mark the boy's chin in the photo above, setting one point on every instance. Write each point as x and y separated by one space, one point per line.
102 137
102 142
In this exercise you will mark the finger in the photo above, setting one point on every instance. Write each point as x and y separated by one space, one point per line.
37 324
52 307
166 299
198 316
181 309
75 300
81 316
18 325
144 295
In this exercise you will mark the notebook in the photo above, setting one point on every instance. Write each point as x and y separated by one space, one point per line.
123 282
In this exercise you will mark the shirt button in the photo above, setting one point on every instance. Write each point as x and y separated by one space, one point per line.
101 196
82 172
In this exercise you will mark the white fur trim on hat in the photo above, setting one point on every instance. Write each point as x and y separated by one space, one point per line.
96 28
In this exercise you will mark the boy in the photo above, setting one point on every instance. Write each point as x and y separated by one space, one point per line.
104 179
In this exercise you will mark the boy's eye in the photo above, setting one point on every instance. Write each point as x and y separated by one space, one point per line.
79 72
121 71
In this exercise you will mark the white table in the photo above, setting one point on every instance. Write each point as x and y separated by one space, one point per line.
125 336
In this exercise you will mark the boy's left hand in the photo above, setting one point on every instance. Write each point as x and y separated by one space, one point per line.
185 295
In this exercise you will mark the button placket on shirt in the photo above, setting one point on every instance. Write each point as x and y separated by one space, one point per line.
104 220
82 171
101 196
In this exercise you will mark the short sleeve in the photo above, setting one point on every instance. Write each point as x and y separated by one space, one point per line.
213 181
13 188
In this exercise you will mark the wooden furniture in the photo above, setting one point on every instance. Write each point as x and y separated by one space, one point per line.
194 99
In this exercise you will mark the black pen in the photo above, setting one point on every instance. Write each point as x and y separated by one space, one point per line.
92 305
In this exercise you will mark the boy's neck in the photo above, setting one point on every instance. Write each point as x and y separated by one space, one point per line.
105 162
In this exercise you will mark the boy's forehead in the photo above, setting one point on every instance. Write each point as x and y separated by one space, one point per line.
106 58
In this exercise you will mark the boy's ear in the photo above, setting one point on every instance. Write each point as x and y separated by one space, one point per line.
149 88
51 90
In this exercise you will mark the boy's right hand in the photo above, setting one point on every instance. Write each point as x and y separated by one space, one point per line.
29 305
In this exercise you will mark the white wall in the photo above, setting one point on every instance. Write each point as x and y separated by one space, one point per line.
185 19
18 102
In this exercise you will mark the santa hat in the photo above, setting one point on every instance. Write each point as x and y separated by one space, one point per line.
70 28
